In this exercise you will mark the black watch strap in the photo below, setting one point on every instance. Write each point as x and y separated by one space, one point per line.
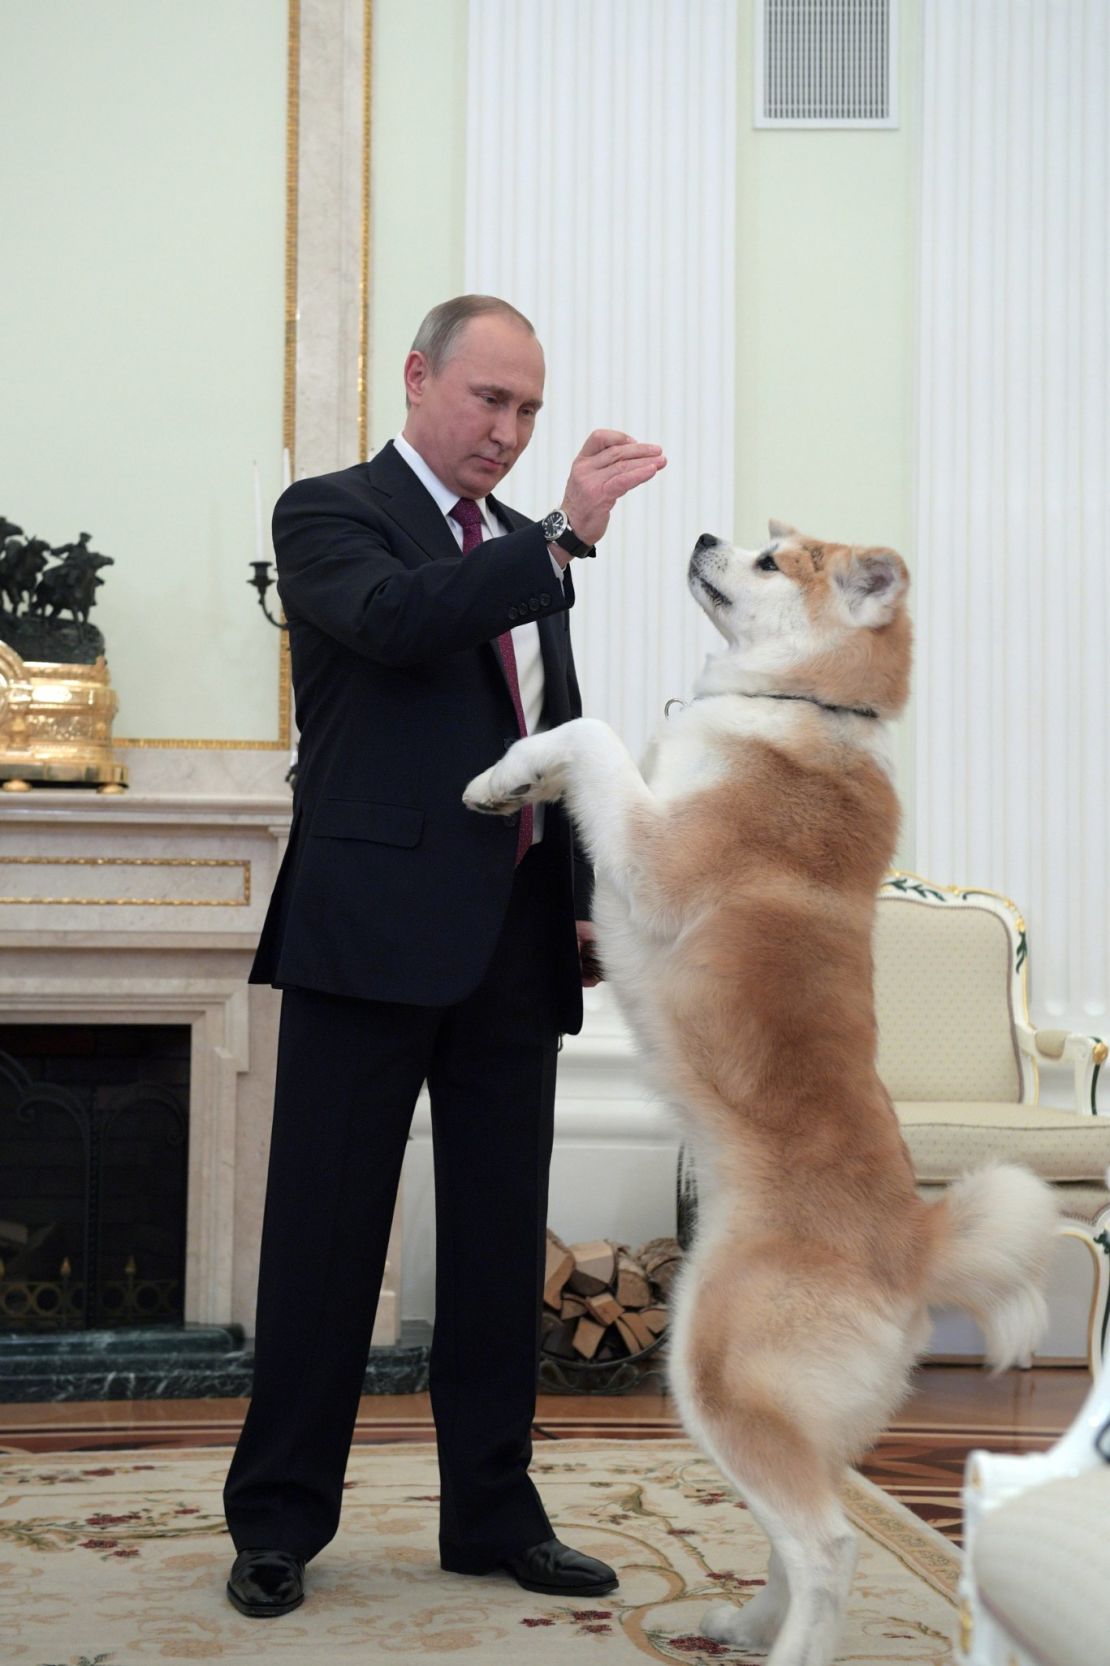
558 530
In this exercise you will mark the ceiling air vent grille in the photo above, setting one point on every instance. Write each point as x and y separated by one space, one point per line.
826 63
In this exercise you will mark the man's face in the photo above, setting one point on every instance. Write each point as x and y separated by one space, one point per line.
471 421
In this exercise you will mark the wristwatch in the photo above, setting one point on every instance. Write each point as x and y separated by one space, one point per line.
557 530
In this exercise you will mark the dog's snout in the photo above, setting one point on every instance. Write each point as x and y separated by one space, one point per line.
707 541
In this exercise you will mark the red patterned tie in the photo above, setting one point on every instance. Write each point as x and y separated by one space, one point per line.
469 517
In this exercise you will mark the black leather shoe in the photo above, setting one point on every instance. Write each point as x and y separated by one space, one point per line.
558 1571
263 1583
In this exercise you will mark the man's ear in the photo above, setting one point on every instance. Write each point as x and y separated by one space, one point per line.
870 587
780 529
417 372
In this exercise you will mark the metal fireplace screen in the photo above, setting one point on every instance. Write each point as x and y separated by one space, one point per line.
93 1175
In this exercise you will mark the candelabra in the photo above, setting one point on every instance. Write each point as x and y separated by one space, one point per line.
262 582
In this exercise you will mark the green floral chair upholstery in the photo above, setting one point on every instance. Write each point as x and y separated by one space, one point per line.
961 1060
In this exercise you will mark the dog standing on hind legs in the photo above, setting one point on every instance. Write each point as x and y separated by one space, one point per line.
734 910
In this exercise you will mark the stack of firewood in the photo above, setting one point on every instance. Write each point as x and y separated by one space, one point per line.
600 1302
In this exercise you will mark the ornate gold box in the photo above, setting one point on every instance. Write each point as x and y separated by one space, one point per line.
56 725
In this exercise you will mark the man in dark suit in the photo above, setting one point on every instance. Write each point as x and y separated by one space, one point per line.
416 942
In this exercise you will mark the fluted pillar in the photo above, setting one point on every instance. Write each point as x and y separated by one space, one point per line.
1013 524
601 200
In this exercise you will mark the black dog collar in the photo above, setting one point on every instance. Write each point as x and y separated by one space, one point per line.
853 711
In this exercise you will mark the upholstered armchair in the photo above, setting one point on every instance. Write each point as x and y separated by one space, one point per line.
961 1060
1035 1586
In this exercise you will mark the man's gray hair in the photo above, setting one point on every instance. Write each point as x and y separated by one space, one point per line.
438 336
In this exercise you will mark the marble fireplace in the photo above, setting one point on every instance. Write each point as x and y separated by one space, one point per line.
144 910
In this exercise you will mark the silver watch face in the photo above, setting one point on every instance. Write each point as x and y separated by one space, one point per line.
555 525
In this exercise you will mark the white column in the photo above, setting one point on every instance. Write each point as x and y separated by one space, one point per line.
601 201
1013 523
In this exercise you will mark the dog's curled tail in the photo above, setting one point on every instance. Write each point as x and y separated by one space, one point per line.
994 1231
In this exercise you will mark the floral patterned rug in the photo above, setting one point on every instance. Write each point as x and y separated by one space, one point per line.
121 1561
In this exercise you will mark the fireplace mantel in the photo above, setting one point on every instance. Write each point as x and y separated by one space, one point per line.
147 909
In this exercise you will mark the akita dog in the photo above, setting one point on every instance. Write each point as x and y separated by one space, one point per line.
734 911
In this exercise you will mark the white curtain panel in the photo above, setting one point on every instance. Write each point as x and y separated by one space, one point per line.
601 201
1013 475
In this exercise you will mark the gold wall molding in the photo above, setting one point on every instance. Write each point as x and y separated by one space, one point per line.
364 258
242 901
279 745
292 165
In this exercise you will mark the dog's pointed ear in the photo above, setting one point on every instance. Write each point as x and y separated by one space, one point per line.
781 529
870 586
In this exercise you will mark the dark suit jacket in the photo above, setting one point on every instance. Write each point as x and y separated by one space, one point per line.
390 890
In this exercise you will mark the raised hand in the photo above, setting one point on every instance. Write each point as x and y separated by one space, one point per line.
608 465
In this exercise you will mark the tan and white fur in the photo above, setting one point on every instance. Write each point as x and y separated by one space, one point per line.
734 911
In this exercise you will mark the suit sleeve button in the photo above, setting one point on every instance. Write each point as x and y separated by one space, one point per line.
514 613
534 603
545 599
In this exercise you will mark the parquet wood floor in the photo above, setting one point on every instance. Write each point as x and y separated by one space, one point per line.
920 1459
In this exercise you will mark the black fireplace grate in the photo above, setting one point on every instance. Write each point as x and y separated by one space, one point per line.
93 1176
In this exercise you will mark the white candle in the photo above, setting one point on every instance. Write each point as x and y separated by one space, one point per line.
286 469
258 549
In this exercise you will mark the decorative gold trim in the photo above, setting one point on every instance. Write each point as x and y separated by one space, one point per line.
289 386
132 862
292 183
364 263
961 891
212 745
289 391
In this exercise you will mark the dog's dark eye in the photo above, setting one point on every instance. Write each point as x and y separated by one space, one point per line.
768 564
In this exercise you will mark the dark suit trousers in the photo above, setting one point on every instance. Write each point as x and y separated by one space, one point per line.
348 1075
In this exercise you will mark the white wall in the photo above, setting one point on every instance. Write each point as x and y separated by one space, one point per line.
826 308
142 205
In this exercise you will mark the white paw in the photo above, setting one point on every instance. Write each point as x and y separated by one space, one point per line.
724 1623
720 1623
494 793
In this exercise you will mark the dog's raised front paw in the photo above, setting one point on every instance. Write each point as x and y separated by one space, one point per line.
493 794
